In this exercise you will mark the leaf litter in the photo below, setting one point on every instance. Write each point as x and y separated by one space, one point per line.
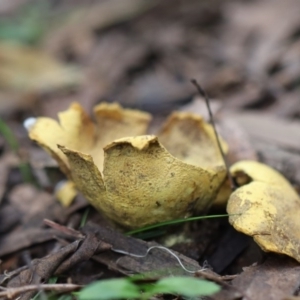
247 60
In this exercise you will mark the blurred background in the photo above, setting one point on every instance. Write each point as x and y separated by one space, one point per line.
143 53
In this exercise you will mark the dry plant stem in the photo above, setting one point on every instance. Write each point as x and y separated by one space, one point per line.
204 95
11 293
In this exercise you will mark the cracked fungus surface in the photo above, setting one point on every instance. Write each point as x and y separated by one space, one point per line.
135 179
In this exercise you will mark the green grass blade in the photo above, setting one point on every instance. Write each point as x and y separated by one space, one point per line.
178 221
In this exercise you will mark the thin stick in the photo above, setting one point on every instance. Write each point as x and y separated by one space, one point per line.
11 293
63 229
204 95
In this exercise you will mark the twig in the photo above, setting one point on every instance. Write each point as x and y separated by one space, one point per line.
204 95
66 230
7 275
11 293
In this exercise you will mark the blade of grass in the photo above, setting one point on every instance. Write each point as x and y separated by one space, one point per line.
178 221
84 217
150 234
9 136
14 146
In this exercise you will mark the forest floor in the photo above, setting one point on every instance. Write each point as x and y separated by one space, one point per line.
143 55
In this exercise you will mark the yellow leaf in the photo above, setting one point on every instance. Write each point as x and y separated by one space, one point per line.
27 69
266 207
65 192
138 181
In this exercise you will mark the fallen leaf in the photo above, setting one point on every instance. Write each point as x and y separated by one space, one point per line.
265 207
42 205
77 35
23 239
26 69
136 181
276 278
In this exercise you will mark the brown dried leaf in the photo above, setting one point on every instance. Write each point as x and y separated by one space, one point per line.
276 278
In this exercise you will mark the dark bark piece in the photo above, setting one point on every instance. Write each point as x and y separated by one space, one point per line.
41 269
229 247
158 261
276 278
